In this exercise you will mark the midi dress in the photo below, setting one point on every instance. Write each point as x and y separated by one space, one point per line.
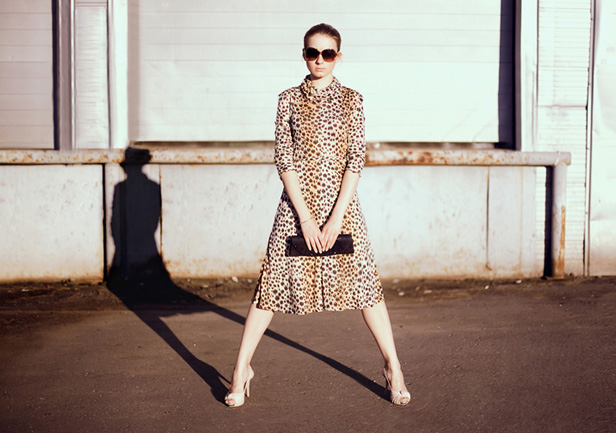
320 135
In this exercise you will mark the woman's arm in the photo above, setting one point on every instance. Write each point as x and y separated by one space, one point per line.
356 157
283 157
332 227
310 230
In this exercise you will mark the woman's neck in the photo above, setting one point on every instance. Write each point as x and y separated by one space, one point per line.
321 83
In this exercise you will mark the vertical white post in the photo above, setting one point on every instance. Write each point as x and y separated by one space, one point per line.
590 132
526 74
118 73
559 211
63 75
90 75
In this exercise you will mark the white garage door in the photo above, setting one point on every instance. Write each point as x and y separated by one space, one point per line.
430 71
26 80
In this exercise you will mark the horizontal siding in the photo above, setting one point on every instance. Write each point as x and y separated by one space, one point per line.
265 20
563 62
25 6
376 54
24 70
23 37
428 71
23 53
31 137
17 118
25 20
26 80
357 38
25 86
341 7
24 102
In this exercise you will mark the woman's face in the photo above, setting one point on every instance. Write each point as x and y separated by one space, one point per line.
318 67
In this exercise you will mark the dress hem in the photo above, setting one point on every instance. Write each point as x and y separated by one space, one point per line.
274 310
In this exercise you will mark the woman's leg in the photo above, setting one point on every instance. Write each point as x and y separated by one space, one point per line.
377 319
257 321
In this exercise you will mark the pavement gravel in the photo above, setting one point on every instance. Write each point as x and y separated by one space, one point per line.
479 356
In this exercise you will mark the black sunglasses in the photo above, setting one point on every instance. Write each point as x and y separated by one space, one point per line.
313 54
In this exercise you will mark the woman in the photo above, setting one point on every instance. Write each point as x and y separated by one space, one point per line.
320 151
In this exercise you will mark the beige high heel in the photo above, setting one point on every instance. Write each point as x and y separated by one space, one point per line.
238 397
396 396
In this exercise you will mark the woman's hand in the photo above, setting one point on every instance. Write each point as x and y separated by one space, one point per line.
313 236
331 230
332 227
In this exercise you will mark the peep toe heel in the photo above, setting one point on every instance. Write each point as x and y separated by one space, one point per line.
396 397
238 397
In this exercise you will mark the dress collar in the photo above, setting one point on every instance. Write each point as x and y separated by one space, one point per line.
316 95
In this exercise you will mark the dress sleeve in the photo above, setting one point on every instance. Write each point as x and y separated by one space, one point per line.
283 151
356 153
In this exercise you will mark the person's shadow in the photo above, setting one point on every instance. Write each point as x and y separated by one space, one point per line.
139 278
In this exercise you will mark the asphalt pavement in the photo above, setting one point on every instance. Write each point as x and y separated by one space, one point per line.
479 356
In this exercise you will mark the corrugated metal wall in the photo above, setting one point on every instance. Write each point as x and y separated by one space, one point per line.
26 76
430 71
209 70
602 230
563 65
91 83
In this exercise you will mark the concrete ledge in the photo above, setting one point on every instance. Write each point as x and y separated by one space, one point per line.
265 155
467 157
158 156
201 187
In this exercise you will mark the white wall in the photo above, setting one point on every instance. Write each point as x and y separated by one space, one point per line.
564 32
217 218
91 108
52 223
182 87
451 222
430 71
26 80
602 257
424 222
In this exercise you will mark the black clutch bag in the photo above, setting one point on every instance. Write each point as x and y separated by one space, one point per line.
296 246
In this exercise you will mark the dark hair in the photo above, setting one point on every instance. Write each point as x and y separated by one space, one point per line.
323 29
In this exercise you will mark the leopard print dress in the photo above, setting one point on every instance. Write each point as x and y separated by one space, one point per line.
320 135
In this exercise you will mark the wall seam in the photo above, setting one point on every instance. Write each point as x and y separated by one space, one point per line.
589 127
488 265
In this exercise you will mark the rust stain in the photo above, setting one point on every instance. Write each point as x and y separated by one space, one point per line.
261 155
399 158
425 158
487 158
